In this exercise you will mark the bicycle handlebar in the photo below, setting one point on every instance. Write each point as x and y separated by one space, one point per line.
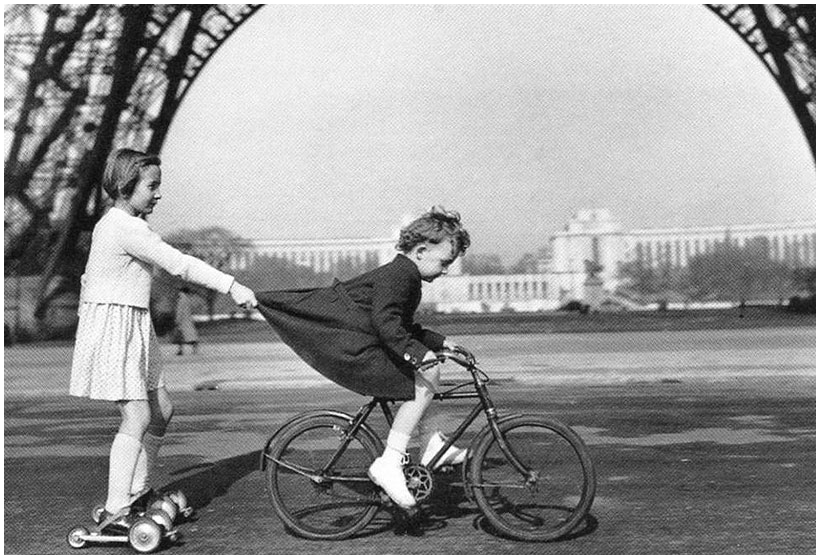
460 355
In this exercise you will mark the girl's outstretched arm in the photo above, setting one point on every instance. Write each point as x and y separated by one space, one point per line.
146 245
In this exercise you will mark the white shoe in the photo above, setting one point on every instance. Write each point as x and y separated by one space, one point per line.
390 477
454 455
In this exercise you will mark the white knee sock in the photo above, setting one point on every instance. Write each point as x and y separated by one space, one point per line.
145 474
125 451
140 481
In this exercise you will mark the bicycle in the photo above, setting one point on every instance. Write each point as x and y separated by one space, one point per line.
531 476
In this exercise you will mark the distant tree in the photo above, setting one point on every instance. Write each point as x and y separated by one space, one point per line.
527 264
482 264
732 272
347 268
644 279
216 246
270 272
805 279
593 268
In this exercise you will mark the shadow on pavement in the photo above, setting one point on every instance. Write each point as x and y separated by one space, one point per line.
205 481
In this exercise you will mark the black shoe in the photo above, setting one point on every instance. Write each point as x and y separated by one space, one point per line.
116 523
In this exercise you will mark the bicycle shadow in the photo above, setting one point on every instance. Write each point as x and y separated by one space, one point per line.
203 482
207 480
448 501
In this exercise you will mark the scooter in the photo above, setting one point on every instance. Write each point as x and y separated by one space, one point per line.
155 523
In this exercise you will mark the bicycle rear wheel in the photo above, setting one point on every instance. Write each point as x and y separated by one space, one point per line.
554 494
312 500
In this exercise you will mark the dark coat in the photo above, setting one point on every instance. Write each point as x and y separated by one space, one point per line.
358 333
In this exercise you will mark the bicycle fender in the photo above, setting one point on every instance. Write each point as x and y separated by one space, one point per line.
318 413
291 421
465 467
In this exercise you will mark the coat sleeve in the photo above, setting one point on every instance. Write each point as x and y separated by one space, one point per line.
390 295
148 246
429 338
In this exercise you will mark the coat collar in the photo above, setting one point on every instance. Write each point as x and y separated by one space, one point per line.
405 262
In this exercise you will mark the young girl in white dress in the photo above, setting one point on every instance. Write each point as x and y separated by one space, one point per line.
116 354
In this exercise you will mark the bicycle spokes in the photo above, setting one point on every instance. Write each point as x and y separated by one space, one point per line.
546 494
316 500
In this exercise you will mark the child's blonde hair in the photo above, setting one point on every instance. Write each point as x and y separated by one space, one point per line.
435 226
122 171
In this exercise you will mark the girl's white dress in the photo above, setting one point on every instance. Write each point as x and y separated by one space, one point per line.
116 354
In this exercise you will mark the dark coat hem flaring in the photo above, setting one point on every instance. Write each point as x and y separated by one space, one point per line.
358 333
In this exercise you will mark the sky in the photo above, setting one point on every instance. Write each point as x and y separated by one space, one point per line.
345 121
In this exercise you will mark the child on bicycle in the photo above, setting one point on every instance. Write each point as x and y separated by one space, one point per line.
361 334
116 353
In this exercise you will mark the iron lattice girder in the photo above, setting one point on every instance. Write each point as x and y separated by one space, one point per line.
59 63
784 38
62 63
81 79
54 51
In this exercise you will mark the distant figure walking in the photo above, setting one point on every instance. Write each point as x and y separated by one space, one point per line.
185 332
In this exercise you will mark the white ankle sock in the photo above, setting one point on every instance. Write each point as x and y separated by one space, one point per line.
145 474
125 451
396 446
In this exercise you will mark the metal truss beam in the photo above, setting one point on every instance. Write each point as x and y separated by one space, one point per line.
80 79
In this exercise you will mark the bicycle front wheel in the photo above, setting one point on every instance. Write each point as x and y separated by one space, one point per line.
315 498
552 491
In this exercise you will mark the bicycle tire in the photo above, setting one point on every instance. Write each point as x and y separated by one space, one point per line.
330 510
553 501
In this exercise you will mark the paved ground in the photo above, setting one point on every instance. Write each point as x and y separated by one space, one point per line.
711 450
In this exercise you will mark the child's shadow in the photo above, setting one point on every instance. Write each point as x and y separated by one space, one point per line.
208 480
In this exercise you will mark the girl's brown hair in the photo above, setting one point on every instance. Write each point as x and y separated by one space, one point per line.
122 171
435 226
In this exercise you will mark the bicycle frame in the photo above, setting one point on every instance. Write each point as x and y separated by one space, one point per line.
479 381
331 497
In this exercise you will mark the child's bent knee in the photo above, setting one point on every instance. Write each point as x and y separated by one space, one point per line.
427 384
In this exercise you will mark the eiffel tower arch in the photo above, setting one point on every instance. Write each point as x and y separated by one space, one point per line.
80 79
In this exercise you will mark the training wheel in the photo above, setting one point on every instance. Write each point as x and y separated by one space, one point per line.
419 481
166 505
181 501
145 535
76 537
160 517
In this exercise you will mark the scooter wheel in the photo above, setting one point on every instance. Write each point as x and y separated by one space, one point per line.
145 535
96 513
160 517
168 506
181 501
76 537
